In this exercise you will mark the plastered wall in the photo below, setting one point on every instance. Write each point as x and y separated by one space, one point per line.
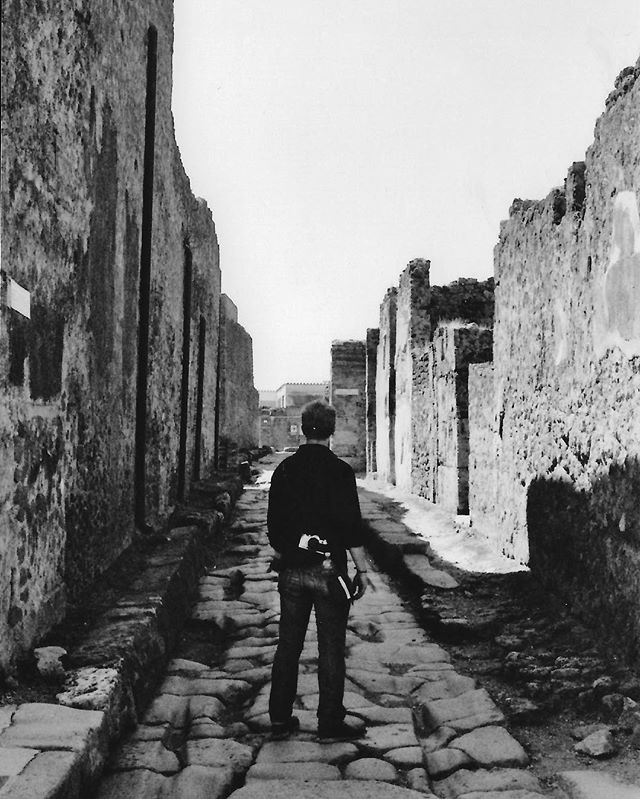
76 93
567 377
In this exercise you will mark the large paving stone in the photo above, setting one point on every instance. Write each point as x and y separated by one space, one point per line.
371 768
196 782
293 751
443 762
450 686
374 714
384 683
186 667
465 712
14 759
596 785
352 701
293 771
405 756
151 755
419 566
491 747
226 689
45 726
205 706
216 753
329 789
389 736
465 781
168 709
138 783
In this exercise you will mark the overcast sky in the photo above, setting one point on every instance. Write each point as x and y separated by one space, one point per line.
335 140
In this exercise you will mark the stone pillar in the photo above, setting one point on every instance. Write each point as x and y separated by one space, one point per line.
348 397
386 389
413 328
373 337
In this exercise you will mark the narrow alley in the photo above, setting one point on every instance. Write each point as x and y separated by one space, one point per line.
431 730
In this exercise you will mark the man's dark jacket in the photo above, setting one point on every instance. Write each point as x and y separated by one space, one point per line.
314 492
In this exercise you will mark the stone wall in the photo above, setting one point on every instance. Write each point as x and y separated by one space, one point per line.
237 397
348 397
484 449
373 338
386 389
105 415
440 402
413 332
567 371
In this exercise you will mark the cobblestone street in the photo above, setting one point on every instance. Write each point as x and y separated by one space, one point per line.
431 731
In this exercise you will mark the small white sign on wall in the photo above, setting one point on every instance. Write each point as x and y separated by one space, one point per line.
18 298
346 392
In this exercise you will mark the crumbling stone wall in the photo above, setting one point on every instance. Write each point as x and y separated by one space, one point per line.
440 400
567 371
373 338
484 449
238 398
348 397
413 332
386 389
92 189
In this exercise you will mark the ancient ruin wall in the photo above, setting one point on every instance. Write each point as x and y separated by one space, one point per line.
238 398
348 397
567 367
440 401
373 339
77 84
386 390
413 332
484 449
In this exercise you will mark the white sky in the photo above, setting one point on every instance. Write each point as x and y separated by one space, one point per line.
335 140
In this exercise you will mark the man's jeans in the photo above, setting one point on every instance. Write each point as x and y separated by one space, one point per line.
300 590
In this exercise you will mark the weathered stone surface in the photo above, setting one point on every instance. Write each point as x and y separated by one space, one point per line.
443 762
389 736
226 689
599 744
215 753
405 756
305 751
329 789
140 782
168 708
293 771
44 726
209 706
450 686
197 782
373 714
596 785
371 768
491 747
465 781
151 755
518 793
13 759
464 712
418 780
419 566
438 739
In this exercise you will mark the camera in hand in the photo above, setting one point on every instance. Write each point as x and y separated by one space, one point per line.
313 543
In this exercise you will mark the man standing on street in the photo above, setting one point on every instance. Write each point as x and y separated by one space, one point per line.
313 518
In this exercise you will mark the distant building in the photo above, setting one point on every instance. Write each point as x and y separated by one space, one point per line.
280 412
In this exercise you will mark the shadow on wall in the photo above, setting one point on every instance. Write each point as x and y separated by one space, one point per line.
585 547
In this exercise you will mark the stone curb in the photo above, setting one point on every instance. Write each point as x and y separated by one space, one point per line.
401 551
114 669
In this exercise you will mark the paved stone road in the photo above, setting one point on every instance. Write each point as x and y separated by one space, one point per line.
206 734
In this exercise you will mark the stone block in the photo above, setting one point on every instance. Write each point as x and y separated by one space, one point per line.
491 747
466 781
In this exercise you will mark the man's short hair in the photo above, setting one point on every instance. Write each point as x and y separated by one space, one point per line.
318 420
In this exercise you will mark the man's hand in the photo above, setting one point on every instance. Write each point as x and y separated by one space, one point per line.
361 582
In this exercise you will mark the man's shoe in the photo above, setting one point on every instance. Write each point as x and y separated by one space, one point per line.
341 730
283 729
